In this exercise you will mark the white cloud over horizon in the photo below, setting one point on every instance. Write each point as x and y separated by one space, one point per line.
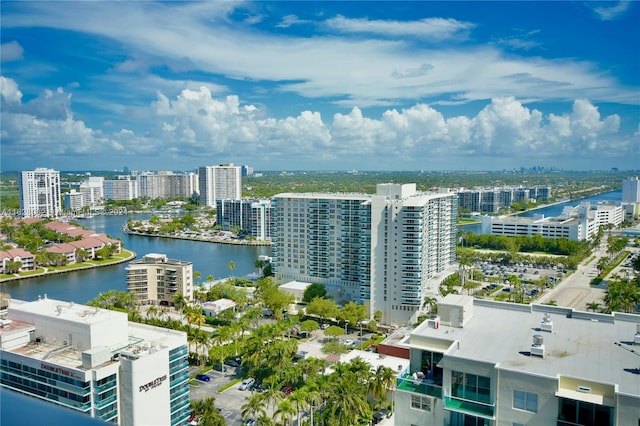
195 128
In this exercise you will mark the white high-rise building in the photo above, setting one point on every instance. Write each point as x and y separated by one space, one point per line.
486 363
631 190
223 182
40 193
120 189
383 250
92 191
95 362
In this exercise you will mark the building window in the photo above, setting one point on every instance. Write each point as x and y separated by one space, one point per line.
525 401
471 387
420 402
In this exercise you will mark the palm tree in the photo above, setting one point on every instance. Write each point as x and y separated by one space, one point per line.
464 262
384 379
347 404
285 411
152 311
254 407
259 264
298 399
232 266
593 306
179 302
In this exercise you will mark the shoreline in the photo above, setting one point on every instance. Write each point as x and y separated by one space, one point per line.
132 255
256 243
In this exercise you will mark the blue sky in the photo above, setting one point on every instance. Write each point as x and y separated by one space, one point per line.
320 85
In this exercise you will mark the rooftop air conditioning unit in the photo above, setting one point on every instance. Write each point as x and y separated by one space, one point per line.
546 324
537 347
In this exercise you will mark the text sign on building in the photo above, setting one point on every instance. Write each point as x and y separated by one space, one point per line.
152 384
61 371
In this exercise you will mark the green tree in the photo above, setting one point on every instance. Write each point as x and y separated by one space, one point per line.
324 308
206 412
314 290
254 407
232 266
285 412
352 313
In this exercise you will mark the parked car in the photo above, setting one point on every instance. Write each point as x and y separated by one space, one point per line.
203 377
246 383
286 390
220 367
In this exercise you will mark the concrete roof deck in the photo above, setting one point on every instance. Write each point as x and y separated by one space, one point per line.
581 344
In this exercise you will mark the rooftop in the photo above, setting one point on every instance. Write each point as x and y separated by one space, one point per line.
581 344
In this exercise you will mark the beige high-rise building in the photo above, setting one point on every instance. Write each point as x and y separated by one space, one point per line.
155 279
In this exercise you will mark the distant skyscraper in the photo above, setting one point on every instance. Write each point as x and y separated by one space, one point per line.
40 193
631 190
223 182
381 250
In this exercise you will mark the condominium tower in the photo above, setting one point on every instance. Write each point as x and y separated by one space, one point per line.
39 193
631 190
383 250
95 362
223 182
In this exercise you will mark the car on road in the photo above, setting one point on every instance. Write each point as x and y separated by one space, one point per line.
246 383
324 326
203 377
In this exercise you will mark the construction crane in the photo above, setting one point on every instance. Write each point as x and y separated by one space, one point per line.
630 349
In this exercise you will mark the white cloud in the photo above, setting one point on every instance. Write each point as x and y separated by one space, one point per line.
434 29
11 51
353 70
9 91
195 127
610 13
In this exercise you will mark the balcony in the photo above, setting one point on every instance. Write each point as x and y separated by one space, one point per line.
467 406
424 386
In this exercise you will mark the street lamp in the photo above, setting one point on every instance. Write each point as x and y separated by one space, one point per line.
346 324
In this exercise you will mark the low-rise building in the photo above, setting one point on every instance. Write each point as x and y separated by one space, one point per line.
493 363
581 222
95 362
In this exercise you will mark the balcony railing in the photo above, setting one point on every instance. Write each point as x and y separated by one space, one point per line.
424 386
466 406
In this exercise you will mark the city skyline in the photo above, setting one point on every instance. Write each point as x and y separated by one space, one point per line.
320 85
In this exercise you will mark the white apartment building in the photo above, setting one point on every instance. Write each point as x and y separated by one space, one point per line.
223 182
72 200
253 217
384 250
120 189
156 279
631 190
92 191
95 362
40 193
166 184
491 363
575 223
